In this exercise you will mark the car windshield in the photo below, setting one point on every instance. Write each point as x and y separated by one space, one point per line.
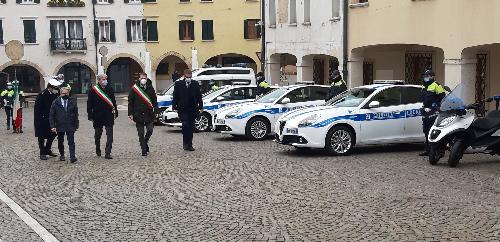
273 96
168 91
454 100
351 98
213 94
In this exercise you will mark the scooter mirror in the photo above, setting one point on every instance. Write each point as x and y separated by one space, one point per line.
447 88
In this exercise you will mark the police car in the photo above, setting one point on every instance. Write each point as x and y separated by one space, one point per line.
254 120
212 102
368 115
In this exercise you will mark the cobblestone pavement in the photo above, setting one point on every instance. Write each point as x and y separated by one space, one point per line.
234 190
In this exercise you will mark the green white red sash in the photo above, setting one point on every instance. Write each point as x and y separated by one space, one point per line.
142 95
98 90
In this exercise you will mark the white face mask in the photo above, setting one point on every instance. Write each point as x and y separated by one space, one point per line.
9 87
144 81
104 83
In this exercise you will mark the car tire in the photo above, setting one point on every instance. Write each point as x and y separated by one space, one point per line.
339 141
203 123
456 153
257 129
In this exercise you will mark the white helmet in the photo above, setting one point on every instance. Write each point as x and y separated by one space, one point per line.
54 82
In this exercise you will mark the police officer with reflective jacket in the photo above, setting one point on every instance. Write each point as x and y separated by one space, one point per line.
7 98
338 85
432 96
262 85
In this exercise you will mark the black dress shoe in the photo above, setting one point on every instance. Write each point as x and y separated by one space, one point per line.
43 157
73 160
108 157
144 153
190 148
50 153
62 158
424 154
98 153
147 148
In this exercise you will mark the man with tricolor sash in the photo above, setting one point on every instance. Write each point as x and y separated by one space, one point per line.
142 106
102 111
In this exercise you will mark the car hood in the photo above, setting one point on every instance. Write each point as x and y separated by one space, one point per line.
322 112
247 108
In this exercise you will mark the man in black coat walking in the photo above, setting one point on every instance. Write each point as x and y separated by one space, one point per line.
188 103
41 119
142 106
64 121
102 111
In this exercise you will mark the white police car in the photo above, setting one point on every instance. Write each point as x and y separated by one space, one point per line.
212 102
254 120
366 115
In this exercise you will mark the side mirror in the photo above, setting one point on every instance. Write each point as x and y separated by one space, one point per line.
220 98
285 100
447 88
374 104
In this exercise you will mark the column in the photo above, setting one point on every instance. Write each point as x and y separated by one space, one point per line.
272 71
461 71
305 69
355 68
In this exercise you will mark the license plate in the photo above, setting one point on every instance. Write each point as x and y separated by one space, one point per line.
220 121
292 131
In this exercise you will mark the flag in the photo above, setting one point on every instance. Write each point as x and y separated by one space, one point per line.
17 108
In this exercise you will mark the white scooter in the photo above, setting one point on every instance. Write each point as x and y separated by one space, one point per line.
458 129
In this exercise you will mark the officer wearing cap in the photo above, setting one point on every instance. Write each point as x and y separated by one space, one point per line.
338 85
432 96
41 118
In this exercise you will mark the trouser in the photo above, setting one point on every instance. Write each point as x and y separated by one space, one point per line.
109 139
71 143
427 123
45 144
9 113
144 138
187 119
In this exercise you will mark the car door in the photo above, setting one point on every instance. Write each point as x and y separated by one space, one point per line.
230 97
412 98
385 123
299 98
318 95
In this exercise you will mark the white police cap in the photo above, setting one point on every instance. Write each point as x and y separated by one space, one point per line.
54 82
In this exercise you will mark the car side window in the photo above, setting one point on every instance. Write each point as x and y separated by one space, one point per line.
389 97
234 94
250 93
318 93
299 95
412 95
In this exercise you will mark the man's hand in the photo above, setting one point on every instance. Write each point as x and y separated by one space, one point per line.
54 130
427 110
131 117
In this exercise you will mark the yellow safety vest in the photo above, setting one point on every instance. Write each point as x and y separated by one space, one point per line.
339 83
264 84
8 93
435 88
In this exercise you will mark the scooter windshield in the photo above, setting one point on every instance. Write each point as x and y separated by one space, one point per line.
454 100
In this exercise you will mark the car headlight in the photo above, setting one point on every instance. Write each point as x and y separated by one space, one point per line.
309 121
233 113
447 121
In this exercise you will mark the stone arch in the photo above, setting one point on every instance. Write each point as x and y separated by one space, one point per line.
255 59
24 62
170 53
123 55
91 66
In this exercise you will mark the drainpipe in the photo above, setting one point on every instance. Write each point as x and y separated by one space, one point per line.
95 38
345 39
263 36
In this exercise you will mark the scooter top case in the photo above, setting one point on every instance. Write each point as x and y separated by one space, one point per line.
485 132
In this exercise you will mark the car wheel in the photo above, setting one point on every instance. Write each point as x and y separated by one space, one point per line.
203 123
258 129
456 153
339 141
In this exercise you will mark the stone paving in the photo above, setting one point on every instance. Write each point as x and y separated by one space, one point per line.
230 189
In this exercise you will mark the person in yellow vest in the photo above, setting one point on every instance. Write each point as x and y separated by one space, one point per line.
7 97
338 85
432 96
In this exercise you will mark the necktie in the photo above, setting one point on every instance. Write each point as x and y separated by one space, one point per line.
188 83
65 105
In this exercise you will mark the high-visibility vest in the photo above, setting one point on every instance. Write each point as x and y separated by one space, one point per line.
264 84
339 83
435 88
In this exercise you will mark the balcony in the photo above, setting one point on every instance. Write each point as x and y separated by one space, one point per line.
66 3
68 45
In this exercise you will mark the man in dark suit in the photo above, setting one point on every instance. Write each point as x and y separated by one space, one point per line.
102 111
188 103
41 119
142 106
64 121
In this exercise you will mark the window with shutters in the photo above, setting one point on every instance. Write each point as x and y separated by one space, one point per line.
293 12
272 13
136 30
1 32
134 1
307 11
103 1
251 29
104 31
152 31
28 1
29 31
3 2
186 30
207 29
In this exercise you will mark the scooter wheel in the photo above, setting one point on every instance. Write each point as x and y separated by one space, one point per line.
456 153
434 155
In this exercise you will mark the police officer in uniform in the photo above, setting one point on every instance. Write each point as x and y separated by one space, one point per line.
432 96
262 84
41 118
338 85
7 97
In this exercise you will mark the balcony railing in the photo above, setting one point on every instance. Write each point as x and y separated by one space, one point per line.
67 44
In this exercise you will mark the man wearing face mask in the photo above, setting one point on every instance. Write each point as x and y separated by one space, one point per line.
338 85
64 122
102 111
432 95
42 107
7 97
142 108
188 103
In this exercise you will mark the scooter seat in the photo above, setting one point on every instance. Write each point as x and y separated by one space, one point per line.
493 114
486 123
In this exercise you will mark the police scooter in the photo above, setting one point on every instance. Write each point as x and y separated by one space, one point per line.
458 129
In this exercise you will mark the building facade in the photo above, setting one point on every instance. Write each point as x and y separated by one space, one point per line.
304 40
458 39
193 33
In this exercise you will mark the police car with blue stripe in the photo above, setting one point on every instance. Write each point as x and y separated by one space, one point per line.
212 102
387 112
254 120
